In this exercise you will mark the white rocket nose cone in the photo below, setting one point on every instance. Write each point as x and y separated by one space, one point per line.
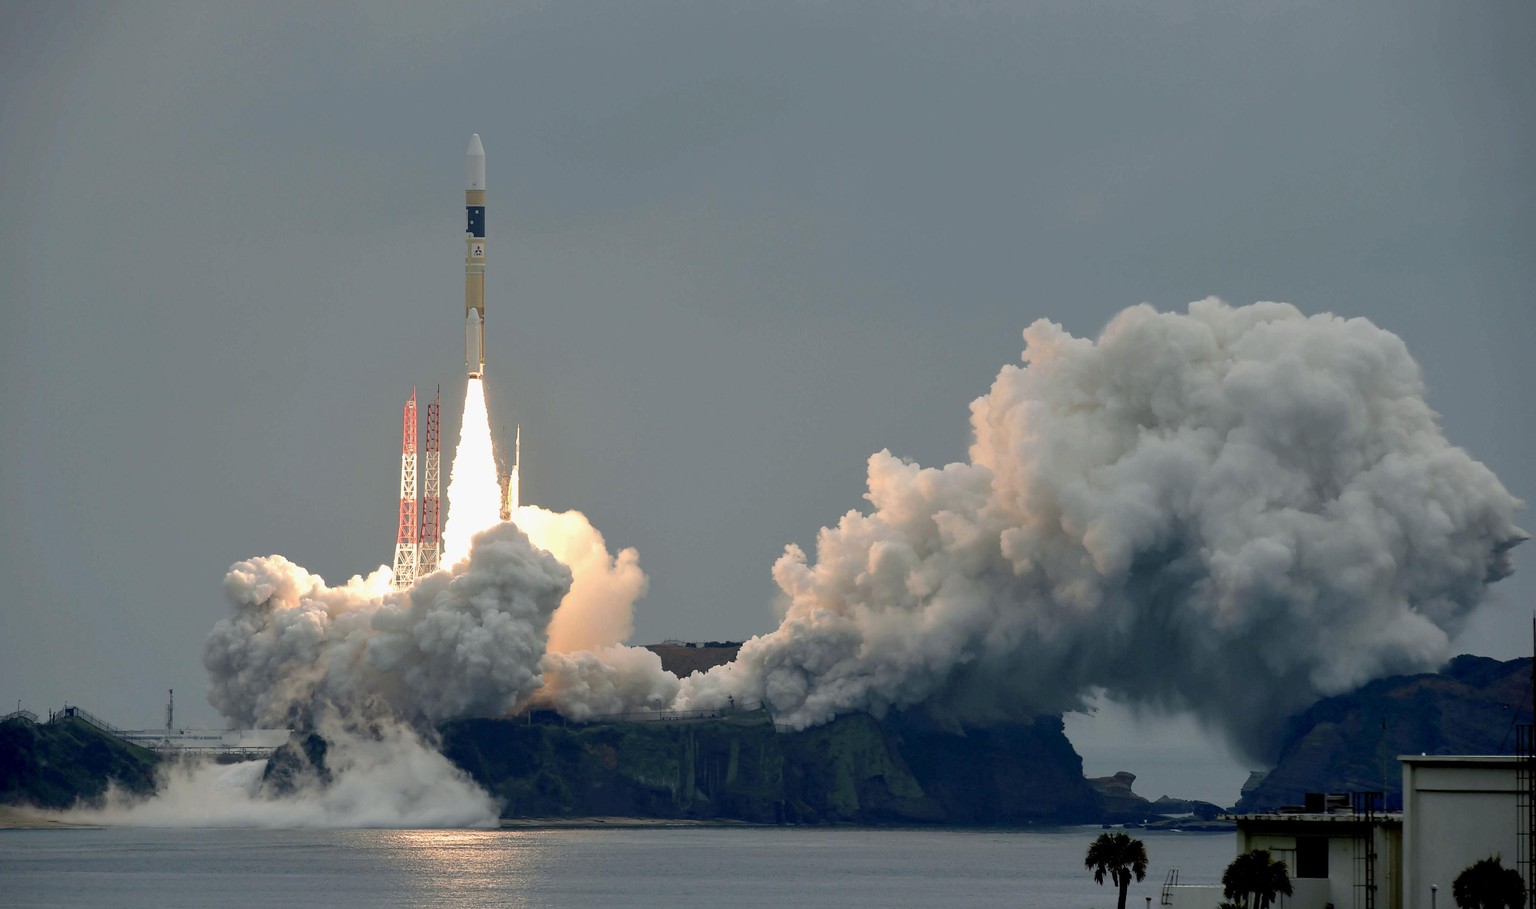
475 172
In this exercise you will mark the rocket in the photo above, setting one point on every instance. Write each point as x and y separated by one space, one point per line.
474 260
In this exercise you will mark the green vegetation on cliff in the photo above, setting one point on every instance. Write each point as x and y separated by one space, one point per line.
66 761
854 770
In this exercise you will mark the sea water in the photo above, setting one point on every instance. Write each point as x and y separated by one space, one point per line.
601 868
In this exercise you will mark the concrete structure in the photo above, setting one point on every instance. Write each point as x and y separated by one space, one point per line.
1340 852
252 743
1457 809
1342 858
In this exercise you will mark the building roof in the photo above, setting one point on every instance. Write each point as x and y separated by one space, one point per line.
1460 760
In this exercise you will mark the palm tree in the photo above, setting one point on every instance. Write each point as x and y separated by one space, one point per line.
1119 857
1487 884
1254 879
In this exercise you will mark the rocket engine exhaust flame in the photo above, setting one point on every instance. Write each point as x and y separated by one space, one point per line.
474 493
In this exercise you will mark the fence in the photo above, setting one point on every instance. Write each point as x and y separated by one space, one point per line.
81 713
686 716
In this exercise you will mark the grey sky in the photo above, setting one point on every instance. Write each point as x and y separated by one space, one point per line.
735 248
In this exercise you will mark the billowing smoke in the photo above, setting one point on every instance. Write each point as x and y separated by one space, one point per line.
387 777
468 640
599 609
1233 511
465 641
610 680
374 669
541 595
588 671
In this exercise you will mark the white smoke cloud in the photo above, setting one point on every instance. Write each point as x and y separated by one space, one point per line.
598 611
462 641
549 608
610 680
588 671
1233 511
365 663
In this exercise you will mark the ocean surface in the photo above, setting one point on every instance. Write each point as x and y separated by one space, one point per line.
607 868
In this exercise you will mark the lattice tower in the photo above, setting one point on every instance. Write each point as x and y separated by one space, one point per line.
510 491
429 555
405 539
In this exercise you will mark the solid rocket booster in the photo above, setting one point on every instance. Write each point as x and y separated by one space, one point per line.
474 261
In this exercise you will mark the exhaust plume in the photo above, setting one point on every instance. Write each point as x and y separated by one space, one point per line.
599 609
470 639
1232 511
474 495
462 641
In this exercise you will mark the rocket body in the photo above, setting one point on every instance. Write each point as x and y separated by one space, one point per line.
474 260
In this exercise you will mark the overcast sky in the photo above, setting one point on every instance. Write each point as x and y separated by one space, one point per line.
734 249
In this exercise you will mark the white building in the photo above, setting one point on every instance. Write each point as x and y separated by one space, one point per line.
1341 853
1457 809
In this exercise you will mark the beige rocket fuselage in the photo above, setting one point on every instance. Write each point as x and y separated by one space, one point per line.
474 261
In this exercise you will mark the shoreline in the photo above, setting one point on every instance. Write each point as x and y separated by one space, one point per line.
615 823
13 817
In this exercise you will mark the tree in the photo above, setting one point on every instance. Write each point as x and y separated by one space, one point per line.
1487 884
1117 856
1254 879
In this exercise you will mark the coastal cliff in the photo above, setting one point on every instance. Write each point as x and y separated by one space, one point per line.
852 770
1351 742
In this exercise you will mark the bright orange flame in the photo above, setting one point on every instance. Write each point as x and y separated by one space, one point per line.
474 495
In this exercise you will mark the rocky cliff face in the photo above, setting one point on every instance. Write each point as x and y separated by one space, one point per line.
854 770
1350 743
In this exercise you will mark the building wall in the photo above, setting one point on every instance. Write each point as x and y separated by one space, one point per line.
1193 896
1457 809
1343 887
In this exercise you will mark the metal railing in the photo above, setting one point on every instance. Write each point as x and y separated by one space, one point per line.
1169 882
1525 805
664 716
27 715
66 712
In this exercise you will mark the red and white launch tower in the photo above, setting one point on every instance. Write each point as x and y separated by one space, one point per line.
430 552
405 539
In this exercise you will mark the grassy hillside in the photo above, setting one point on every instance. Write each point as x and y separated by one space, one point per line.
56 764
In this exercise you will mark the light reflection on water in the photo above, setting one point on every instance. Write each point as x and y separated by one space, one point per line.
600 868
464 867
